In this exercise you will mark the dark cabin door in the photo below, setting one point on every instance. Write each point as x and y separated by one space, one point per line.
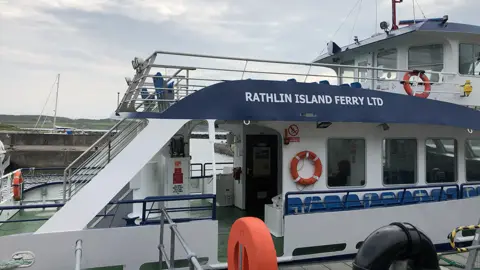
261 172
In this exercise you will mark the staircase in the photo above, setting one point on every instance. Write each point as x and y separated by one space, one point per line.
82 170
106 178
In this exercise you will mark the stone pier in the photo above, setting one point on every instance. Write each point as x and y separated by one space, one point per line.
42 150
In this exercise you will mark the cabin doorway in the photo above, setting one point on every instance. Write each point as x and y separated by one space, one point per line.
261 180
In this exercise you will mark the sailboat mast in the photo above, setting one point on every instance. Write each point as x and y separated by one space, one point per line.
56 103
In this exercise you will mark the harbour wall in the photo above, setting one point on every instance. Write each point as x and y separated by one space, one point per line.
45 150
42 150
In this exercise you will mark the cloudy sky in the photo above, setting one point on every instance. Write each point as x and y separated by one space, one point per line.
91 42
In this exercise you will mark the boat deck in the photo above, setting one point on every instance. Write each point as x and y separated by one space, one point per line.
448 262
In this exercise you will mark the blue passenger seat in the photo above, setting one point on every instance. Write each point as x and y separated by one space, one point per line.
314 204
324 82
452 193
352 201
469 192
158 84
405 197
295 205
439 195
371 200
345 84
388 198
333 202
478 190
291 80
356 85
421 195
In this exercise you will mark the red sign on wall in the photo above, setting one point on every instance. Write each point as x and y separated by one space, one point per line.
292 133
178 176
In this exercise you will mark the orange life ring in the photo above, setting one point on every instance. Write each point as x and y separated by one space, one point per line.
426 82
316 162
17 185
250 237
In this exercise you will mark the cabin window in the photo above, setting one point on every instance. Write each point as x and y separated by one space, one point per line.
347 74
399 161
428 58
441 160
346 162
472 160
387 59
469 59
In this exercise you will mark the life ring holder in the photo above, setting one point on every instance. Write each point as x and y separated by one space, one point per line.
294 171
407 85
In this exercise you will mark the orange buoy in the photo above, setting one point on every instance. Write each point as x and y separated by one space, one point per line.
294 170
253 237
17 185
426 82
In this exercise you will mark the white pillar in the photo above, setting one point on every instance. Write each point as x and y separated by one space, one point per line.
135 185
211 136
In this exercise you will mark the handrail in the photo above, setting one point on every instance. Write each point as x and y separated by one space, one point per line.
133 99
286 62
145 221
192 257
108 150
349 191
111 151
95 144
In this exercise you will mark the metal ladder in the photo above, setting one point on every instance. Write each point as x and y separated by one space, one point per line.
174 234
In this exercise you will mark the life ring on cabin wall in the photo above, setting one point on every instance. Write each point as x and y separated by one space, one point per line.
17 185
408 87
294 170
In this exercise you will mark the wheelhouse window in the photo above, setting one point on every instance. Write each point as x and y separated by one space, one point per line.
399 161
347 74
441 160
346 162
428 58
472 160
469 59
387 59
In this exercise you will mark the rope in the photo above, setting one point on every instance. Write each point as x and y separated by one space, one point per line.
12 264
419 7
356 18
20 259
452 235
451 263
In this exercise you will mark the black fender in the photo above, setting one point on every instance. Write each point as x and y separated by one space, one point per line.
396 242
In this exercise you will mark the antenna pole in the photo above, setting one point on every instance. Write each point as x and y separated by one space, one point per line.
56 103
394 13
376 16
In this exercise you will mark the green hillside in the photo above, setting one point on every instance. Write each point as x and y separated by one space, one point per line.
12 122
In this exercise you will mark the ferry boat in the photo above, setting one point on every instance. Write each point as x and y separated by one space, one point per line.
382 130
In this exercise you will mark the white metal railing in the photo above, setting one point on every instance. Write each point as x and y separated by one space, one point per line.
192 72
194 264
6 192
84 168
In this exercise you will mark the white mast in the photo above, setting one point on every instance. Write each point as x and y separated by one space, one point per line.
56 103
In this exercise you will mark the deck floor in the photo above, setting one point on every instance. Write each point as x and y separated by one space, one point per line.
459 260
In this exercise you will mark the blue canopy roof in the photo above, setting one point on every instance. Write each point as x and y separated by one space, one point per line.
291 101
